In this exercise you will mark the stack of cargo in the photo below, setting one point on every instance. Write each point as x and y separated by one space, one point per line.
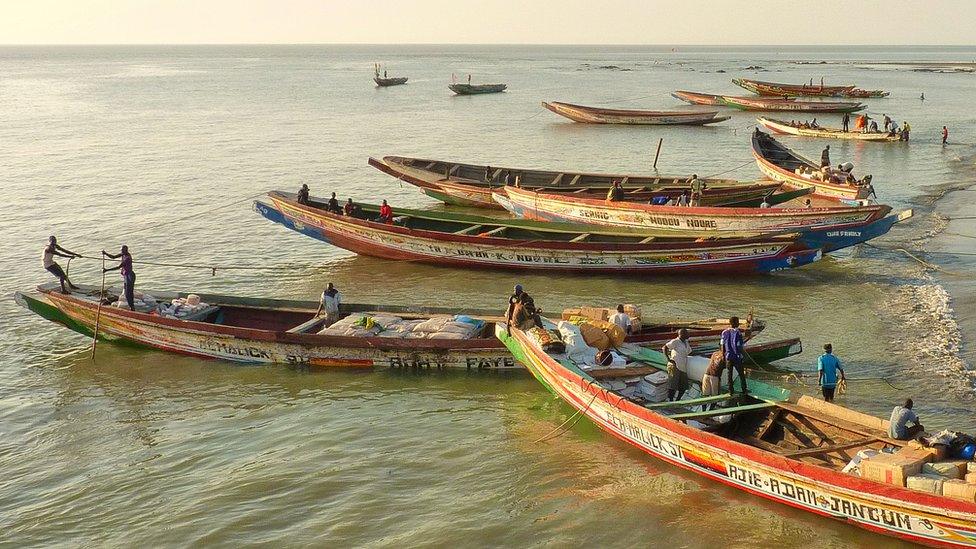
388 326
924 469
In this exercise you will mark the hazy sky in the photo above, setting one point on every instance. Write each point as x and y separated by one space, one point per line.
489 21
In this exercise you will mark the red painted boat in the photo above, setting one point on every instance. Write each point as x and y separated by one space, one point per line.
773 89
698 98
598 115
773 444
775 104
779 162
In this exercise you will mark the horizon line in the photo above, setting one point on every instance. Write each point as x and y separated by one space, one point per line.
594 44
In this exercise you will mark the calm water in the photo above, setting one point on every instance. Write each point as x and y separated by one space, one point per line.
144 447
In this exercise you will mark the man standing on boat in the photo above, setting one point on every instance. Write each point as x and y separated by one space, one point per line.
825 157
128 275
827 367
697 188
621 319
330 302
901 416
47 259
677 351
733 349
847 121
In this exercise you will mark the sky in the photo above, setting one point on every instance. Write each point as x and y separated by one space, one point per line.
664 22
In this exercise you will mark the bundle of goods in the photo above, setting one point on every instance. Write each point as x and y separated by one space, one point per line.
580 314
436 327
181 307
920 467
549 340
601 334
576 348
141 301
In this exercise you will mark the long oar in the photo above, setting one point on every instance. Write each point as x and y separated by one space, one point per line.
98 312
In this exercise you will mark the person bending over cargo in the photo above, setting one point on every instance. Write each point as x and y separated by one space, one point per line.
901 416
330 301
522 311
621 319
52 249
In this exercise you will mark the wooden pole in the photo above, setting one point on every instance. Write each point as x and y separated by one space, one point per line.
98 312
658 153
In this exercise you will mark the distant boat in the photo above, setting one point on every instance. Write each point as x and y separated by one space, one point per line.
779 163
696 98
783 127
597 115
476 89
385 82
776 104
773 89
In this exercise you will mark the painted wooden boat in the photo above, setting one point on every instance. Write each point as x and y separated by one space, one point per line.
477 89
268 331
386 82
773 104
706 220
784 128
467 184
772 89
481 242
784 447
274 331
696 98
598 115
778 162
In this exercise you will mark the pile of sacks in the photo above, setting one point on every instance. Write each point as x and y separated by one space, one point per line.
580 314
179 307
141 301
394 327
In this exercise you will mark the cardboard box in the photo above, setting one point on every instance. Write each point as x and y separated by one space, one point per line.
890 468
916 451
957 489
596 313
926 483
948 469
971 466
971 478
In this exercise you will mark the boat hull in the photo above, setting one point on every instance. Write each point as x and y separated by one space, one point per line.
762 152
382 241
595 115
898 512
705 220
387 82
470 89
779 105
698 98
772 89
782 128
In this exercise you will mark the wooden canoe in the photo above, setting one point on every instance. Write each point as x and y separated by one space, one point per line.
477 89
773 444
487 243
705 220
784 128
467 184
696 98
598 115
386 82
773 104
779 162
772 89
276 331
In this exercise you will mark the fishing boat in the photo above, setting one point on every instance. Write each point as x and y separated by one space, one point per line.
476 89
276 331
696 98
772 89
472 184
785 128
705 220
774 104
479 242
785 447
386 82
778 162
598 115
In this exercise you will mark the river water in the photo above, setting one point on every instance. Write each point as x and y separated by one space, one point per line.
141 145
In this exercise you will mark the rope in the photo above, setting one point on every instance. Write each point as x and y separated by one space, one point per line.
214 268
191 216
924 263
729 170
960 234
577 416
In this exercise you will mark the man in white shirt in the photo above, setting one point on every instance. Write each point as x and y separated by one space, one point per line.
621 319
330 301
677 351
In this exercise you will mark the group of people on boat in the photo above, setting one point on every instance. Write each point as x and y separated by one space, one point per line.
350 208
691 197
729 356
53 249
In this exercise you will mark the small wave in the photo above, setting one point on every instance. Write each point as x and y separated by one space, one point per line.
152 71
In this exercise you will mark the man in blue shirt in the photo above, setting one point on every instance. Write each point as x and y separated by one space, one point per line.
827 367
898 424
732 350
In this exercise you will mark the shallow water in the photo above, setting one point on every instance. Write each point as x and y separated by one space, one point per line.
140 145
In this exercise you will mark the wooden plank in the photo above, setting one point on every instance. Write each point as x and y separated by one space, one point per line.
846 425
771 420
453 170
624 180
689 402
768 446
646 240
469 229
723 411
575 180
607 373
431 165
581 237
834 448
583 190
557 179
636 190
494 231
